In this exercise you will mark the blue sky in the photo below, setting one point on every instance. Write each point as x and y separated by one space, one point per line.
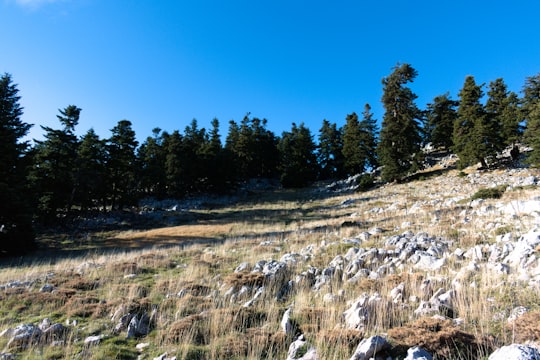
163 63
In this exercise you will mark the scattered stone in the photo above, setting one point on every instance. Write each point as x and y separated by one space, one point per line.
23 336
141 347
369 347
515 352
46 288
300 345
93 340
417 353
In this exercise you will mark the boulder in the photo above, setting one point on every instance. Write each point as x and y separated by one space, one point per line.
23 336
515 352
417 353
369 347
300 349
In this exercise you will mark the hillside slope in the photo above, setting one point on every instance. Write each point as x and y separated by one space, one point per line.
448 263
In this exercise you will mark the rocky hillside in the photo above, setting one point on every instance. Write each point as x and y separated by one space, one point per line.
445 266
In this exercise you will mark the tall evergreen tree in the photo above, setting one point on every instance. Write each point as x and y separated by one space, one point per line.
399 145
16 235
298 160
174 165
91 172
55 166
217 170
230 150
441 115
122 165
330 156
360 142
531 113
474 135
151 157
254 148
353 157
504 115
369 131
193 144
531 137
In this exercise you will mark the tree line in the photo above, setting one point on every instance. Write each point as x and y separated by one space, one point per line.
63 173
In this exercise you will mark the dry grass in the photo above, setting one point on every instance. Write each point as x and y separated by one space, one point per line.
155 269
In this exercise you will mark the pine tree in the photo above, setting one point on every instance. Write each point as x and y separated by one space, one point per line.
360 142
230 151
174 163
329 151
122 165
254 148
504 115
151 157
55 167
369 134
441 115
353 157
531 113
217 169
91 172
299 164
475 136
531 136
399 146
16 235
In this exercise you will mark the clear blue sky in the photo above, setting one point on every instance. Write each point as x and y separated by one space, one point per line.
163 63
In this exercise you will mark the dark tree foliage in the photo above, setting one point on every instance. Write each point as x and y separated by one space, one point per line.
475 135
399 145
531 113
151 156
91 175
122 165
299 164
253 149
174 165
330 151
504 115
360 142
532 134
369 131
55 166
218 176
193 145
440 117
16 233
230 150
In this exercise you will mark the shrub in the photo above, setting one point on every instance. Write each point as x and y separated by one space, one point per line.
439 337
489 193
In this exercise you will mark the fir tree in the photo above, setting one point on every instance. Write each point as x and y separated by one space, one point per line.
504 115
399 146
122 165
91 172
531 113
299 164
151 157
330 151
360 142
55 169
16 235
441 115
475 135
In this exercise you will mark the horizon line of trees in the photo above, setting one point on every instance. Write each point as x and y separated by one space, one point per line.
63 172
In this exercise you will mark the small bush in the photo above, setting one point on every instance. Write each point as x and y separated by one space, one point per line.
489 193
526 327
439 337
365 182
